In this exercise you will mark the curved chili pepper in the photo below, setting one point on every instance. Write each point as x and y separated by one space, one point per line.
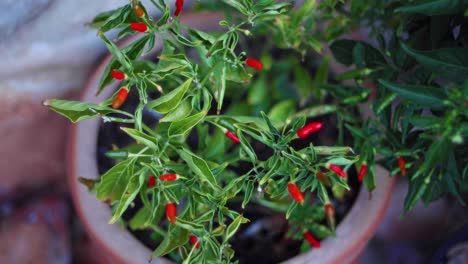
171 211
120 98
295 193
337 170
194 241
362 172
402 165
168 177
151 181
256 64
311 239
179 4
232 137
330 215
138 26
309 129
118 75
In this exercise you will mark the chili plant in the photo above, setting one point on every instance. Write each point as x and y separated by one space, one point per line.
234 96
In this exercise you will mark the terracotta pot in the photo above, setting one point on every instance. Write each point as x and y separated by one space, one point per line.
117 245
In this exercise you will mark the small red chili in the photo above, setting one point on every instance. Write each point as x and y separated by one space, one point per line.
140 27
295 193
151 181
311 239
336 169
309 129
194 241
179 4
251 62
118 75
120 98
330 215
232 137
171 211
362 172
402 165
138 11
168 177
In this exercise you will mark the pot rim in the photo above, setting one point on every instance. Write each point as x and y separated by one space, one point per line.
121 247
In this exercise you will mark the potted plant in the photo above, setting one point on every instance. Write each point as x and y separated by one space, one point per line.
217 132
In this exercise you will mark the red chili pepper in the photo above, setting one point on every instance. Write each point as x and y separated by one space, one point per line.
311 239
140 27
336 169
120 98
402 165
179 4
171 211
168 177
309 129
118 75
295 193
194 241
151 181
138 11
232 137
330 215
362 172
251 62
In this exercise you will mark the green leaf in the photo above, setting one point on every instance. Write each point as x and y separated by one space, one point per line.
434 7
281 111
143 138
169 101
343 51
249 189
190 225
114 182
118 17
77 111
181 111
116 52
237 5
427 96
416 190
139 221
448 62
245 145
199 167
348 52
132 190
232 228
183 126
175 238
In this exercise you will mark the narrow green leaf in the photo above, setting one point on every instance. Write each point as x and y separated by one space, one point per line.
183 126
434 7
143 138
199 167
114 182
232 228
77 111
175 238
428 96
131 191
171 100
449 62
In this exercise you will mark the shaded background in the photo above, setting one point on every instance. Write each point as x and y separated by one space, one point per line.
47 51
